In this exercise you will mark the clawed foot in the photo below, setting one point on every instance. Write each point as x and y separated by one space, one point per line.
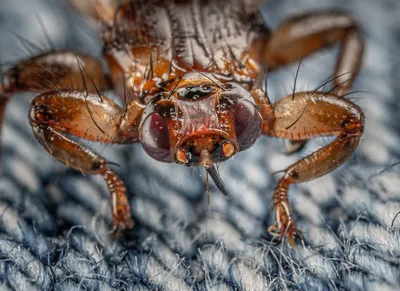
285 226
122 223
286 230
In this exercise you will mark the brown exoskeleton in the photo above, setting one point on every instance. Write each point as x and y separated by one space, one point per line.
191 70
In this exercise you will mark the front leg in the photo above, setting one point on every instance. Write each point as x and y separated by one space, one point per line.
74 105
52 71
307 115
307 33
87 116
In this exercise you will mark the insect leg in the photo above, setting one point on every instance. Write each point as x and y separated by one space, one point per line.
103 10
307 33
309 115
55 115
53 71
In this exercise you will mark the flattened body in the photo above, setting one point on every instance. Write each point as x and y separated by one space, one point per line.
224 37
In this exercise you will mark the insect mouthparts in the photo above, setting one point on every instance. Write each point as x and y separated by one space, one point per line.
217 179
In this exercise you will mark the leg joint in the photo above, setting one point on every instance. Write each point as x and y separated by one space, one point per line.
354 125
40 113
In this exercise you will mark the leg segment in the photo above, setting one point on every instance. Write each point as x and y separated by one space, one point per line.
86 116
61 70
103 10
307 115
302 35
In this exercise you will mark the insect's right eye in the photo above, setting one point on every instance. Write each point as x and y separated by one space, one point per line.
247 124
155 137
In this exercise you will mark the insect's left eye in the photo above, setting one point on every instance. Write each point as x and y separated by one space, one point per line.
247 124
155 137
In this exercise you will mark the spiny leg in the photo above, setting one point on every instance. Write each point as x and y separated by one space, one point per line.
51 71
83 114
88 116
307 33
307 115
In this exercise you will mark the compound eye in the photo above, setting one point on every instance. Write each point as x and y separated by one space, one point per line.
247 123
155 137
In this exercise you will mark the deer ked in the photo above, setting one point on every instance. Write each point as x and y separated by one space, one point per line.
190 73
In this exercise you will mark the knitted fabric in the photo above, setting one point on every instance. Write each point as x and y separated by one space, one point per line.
55 222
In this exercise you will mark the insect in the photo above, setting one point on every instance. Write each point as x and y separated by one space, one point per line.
190 73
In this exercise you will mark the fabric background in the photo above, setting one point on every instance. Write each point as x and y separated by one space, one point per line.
55 222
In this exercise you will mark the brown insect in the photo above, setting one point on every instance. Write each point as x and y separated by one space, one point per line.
190 73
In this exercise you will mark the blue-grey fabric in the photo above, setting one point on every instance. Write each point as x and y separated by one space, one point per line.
55 223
